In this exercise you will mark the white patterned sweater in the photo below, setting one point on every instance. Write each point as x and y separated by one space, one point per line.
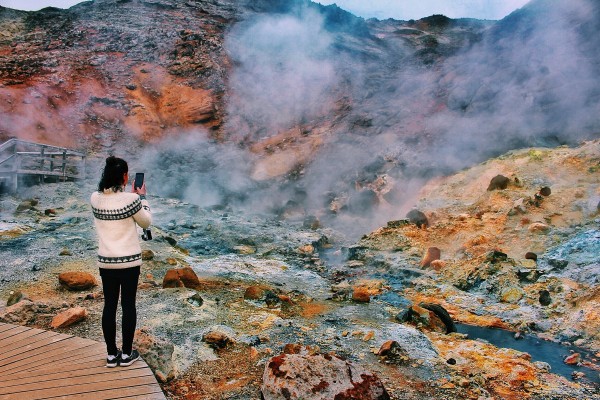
116 216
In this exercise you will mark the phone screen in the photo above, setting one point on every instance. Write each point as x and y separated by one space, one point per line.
139 180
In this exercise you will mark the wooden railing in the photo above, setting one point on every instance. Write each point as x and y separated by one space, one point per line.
21 160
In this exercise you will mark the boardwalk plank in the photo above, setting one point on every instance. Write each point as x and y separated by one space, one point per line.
42 375
8 342
38 364
42 352
92 390
52 365
89 379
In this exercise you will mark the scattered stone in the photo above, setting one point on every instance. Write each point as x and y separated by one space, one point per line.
545 191
319 377
361 294
271 299
545 298
542 366
572 359
157 353
218 339
196 300
441 314
65 252
306 249
511 294
311 222
432 254
451 361
26 205
357 253
557 264
68 317
578 375
498 182
14 297
528 275
50 212
254 293
147 255
370 335
418 218
171 261
398 223
437 265
496 256
77 280
244 249
538 227
130 86
296 348
181 277
20 313
531 256
518 207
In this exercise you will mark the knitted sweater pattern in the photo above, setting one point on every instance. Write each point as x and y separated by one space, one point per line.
116 217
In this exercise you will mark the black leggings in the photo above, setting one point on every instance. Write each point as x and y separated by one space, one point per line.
114 280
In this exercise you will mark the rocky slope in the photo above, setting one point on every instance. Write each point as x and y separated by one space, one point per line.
274 134
266 283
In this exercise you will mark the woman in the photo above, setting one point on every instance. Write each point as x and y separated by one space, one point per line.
116 216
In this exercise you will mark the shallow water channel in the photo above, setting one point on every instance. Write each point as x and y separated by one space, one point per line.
540 350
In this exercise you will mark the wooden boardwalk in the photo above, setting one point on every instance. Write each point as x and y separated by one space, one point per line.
38 364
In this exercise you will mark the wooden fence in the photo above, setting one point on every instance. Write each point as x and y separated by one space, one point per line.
21 161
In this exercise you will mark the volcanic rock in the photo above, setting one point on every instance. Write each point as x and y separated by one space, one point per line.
432 254
219 337
77 280
319 377
181 277
538 227
511 294
531 256
68 317
147 255
418 218
393 352
157 353
271 299
28 204
499 182
65 252
361 295
545 191
572 359
545 298
254 293
196 300
14 297
20 313
311 222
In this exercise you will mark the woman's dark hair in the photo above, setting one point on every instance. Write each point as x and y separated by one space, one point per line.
112 176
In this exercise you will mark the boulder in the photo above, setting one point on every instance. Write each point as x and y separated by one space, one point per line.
361 294
545 298
68 317
538 227
418 218
77 280
531 256
432 254
319 377
20 313
28 204
14 297
181 277
157 353
498 182
254 293
219 337
511 294
545 191
147 255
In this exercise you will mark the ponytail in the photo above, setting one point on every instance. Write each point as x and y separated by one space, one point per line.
112 176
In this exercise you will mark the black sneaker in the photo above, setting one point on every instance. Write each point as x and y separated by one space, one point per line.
113 361
128 360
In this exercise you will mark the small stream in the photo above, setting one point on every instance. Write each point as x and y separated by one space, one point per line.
540 350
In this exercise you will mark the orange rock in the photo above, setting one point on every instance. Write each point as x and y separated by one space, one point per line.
181 277
573 359
68 317
437 265
77 280
432 254
254 293
361 295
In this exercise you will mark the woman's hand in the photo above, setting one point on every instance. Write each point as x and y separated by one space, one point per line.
141 191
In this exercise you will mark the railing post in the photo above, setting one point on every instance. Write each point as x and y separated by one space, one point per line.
64 165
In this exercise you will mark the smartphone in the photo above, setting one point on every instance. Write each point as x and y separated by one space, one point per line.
139 180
